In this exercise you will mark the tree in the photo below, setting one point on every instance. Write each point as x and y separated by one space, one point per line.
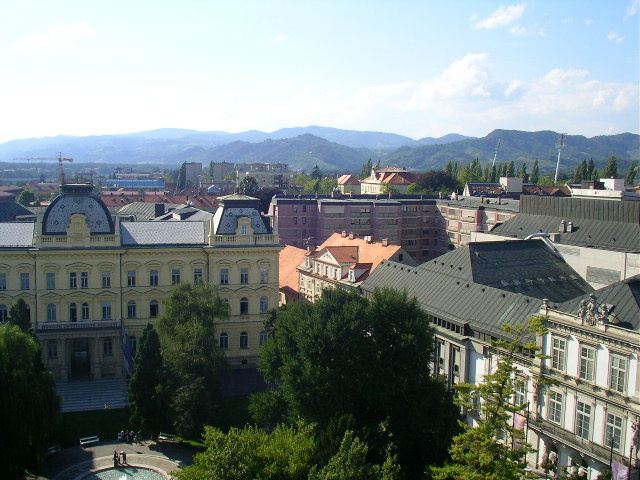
365 171
19 316
592 173
248 186
435 181
511 169
181 182
389 188
146 397
477 453
611 170
580 172
30 407
26 197
190 354
631 173
265 195
534 175
316 173
523 174
348 355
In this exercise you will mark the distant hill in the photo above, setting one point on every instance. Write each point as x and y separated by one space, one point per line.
333 150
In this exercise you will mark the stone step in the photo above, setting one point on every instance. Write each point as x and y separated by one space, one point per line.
84 395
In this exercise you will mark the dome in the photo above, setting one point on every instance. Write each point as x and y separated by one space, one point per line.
77 199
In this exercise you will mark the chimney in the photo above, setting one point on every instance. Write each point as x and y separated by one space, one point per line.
563 226
384 242
499 200
158 209
570 227
351 236
344 234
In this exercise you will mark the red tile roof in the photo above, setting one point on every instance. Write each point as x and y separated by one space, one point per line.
348 179
289 259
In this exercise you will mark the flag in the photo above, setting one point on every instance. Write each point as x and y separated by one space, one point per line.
518 424
620 471
126 351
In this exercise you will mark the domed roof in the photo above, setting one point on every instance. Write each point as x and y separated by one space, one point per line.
73 199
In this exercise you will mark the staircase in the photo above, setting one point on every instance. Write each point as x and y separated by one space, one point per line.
81 395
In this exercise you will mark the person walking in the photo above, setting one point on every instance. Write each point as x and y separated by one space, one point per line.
116 462
123 457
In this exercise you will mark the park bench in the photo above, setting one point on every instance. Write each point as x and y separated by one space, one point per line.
89 441
167 438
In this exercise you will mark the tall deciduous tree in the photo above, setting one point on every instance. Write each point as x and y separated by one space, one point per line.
534 176
365 171
190 353
181 182
611 170
248 186
368 358
631 173
30 407
19 316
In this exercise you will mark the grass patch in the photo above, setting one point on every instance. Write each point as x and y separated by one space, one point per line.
104 423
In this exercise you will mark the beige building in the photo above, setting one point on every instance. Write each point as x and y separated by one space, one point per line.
92 284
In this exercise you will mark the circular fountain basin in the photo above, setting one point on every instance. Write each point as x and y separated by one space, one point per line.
125 473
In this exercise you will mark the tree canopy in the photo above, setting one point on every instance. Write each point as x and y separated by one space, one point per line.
19 316
26 197
248 186
611 170
181 182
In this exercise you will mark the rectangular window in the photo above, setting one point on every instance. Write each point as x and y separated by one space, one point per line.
295 220
558 354
587 363
613 431
303 220
84 279
153 278
521 392
618 373
583 420
131 278
107 347
51 281
243 229
84 311
175 276
24 281
555 407
52 349
106 279
224 276
244 276
3 281
197 276
264 275
73 280
106 311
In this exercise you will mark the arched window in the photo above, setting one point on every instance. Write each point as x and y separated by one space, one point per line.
51 312
131 309
3 313
224 341
106 311
153 308
244 306
244 340
84 313
264 304
73 312
263 337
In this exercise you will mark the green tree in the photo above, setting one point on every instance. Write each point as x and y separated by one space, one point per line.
19 316
435 181
365 171
368 358
26 197
511 169
478 453
631 173
580 172
611 170
30 407
286 453
146 397
534 175
181 182
192 359
316 173
231 175
592 173
388 188
248 186
265 195
452 168
327 185
523 174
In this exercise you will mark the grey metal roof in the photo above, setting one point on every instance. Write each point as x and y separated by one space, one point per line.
146 210
604 234
505 204
465 287
10 210
16 234
162 233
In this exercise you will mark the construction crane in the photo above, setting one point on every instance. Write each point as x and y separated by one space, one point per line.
59 159
559 146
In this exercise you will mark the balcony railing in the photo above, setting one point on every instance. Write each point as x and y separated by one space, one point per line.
82 325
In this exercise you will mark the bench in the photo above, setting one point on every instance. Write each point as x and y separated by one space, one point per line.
89 441
167 437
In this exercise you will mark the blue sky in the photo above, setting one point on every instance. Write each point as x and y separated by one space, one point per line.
415 68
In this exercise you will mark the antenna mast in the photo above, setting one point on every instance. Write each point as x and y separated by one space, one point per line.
559 146
495 155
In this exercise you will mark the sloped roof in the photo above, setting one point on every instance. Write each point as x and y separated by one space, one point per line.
288 260
372 253
162 233
114 199
341 254
146 210
10 210
397 178
16 234
348 179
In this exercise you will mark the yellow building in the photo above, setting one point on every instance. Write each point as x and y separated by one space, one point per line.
93 283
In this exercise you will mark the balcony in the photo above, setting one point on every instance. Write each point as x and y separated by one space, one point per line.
45 327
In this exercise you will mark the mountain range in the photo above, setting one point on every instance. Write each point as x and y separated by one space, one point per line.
332 149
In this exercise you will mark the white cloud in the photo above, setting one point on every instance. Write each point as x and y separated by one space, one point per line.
567 20
588 21
61 38
282 37
526 32
614 37
632 9
501 17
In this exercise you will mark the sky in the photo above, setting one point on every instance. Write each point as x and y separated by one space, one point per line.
419 68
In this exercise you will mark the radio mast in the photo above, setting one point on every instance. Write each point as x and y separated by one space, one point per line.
559 146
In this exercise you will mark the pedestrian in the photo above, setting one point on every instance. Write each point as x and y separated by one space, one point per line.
124 457
116 462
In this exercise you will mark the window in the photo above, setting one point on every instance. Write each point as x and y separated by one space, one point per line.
264 304
153 278
558 354
3 313
244 306
303 220
52 349
304 208
51 312
263 337
244 340
224 276
131 309
587 363
131 278
133 345
243 229
224 341
613 431
73 312
84 312
24 281
106 311
175 276
583 420
618 373
555 407
521 392
3 281
106 279
107 347
295 220
264 275
244 275
153 308
84 279
73 280
51 281
197 276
